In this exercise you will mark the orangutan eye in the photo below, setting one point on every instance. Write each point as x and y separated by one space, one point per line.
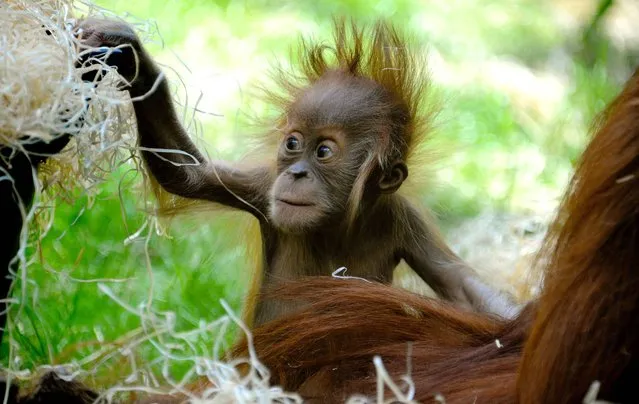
324 152
292 144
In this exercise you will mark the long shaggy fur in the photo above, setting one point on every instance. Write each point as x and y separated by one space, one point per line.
378 53
587 324
325 351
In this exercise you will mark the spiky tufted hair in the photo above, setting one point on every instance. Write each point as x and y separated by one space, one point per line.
377 54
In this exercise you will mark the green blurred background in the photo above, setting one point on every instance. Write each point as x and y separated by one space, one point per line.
518 82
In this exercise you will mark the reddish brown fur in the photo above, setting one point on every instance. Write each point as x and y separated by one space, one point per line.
325 352
587 324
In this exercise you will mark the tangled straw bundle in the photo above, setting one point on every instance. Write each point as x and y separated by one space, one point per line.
41 92
43 95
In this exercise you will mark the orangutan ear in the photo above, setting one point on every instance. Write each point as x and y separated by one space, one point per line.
393 178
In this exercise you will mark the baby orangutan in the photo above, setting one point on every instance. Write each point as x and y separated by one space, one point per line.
328 199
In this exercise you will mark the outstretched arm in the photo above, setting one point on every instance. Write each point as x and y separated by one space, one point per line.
426 252
171 157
